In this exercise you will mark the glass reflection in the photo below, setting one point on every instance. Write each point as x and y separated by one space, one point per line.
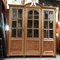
51 16
46 24
19 23
14 24
14 14
36 33
19 32
36 23
13 32
45 14
50 25
29 33
50 33
29 24
20 13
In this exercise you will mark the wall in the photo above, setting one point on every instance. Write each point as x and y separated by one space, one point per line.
19 2
58 36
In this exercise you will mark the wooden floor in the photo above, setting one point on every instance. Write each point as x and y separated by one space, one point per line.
35 58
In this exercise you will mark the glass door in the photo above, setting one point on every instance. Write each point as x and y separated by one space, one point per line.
48 30
32 38
17 32
48 24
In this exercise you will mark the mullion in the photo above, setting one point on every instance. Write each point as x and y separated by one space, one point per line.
17 23
48 24
45 33
33 25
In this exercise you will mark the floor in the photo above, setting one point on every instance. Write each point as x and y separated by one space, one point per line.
35 58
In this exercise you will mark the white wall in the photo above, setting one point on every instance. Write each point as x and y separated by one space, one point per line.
19 2
28 1
13 2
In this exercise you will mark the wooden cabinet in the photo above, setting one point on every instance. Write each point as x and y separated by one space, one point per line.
32 30
48 32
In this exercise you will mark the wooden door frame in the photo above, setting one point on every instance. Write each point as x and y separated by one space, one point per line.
13 38
39 10
54 31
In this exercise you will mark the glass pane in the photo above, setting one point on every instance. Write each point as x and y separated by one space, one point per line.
51 16
36 24
36 17
14 24
50 25
50 19
36 13
19 32
20 13
19 23
29 24
50 33
30 14
46 24
13 32
30 17
36 33
14 14
45 14
29 33
45 33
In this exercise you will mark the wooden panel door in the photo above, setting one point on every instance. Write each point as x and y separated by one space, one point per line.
16 37
32 32
48 32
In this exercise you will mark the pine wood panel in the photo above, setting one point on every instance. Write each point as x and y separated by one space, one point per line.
32 45
16 45
48 45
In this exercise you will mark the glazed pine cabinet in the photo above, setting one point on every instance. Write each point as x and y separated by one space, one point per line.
32 30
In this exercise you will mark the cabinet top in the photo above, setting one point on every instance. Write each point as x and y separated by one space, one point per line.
35 5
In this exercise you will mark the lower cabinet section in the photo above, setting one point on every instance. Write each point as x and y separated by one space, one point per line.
16 45
48 48
31 48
